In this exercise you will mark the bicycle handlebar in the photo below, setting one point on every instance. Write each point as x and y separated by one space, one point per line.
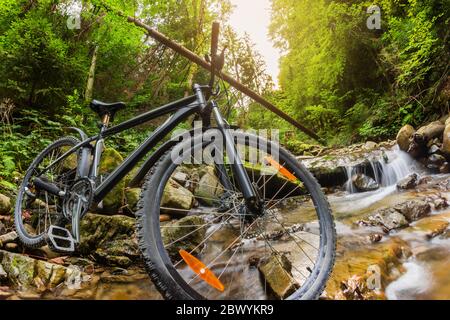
214 48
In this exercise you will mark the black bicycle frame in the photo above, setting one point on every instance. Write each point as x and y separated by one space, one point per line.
180 110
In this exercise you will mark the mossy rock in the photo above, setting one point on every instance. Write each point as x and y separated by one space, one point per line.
276 271
5 205
98 229
114 200
122 253
132 196
187 229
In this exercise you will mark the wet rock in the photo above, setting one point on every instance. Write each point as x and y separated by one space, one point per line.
132 197
440 203
20 268
354 276
370 145
276 271
389 219
445 168
375 237
5 205
115 198
3 274
414 209
445 235
12 247
446 140
435 161
95 230
209 189
364 183
432 226
122 253
277 186
404 137
410 182
434 149
49 275
181 177
432 130
177 197
185 234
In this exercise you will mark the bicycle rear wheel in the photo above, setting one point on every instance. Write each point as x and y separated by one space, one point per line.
213 248
36 210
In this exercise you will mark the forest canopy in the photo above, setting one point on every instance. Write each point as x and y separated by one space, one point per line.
346 81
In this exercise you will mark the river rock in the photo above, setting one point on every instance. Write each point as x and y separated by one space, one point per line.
122 253
410 182
96 230
177 197
364 183
114 200
3 274
432 226
435 161
445 168
446 140
434 148
132 196
404 137
276 271
185 234
389 219
209 189
354 269
370 145
414 209
5 205
20 268
432 130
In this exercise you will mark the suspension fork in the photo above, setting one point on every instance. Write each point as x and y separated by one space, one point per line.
250 194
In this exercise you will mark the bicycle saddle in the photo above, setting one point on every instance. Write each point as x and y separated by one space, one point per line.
103 108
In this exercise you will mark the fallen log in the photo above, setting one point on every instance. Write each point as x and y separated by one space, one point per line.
233 82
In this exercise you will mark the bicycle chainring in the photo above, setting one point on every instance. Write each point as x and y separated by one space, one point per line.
80 193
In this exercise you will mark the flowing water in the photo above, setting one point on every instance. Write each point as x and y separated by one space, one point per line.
386 168
425 274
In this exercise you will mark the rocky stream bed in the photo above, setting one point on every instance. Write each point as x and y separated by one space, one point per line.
390 201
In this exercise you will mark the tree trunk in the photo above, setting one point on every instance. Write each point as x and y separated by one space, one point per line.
90 83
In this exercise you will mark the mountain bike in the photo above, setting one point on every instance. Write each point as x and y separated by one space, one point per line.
223 214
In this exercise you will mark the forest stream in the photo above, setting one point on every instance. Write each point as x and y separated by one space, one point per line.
380 254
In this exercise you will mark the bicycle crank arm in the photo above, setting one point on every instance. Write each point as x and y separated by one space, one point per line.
51 188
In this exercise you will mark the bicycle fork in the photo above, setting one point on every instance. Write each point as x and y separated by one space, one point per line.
251 196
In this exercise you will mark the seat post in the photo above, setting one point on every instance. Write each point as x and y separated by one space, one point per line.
105 120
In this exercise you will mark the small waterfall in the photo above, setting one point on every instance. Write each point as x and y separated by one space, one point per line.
386 168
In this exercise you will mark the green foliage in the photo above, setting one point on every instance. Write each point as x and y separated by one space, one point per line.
350 83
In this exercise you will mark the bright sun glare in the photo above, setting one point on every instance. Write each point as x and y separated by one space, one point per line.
253 17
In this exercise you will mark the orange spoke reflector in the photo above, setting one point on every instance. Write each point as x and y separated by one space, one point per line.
201 270
285 172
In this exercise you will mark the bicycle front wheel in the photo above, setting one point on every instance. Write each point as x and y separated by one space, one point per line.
200 241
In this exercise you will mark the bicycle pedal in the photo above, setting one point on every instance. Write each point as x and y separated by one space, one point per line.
60 240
